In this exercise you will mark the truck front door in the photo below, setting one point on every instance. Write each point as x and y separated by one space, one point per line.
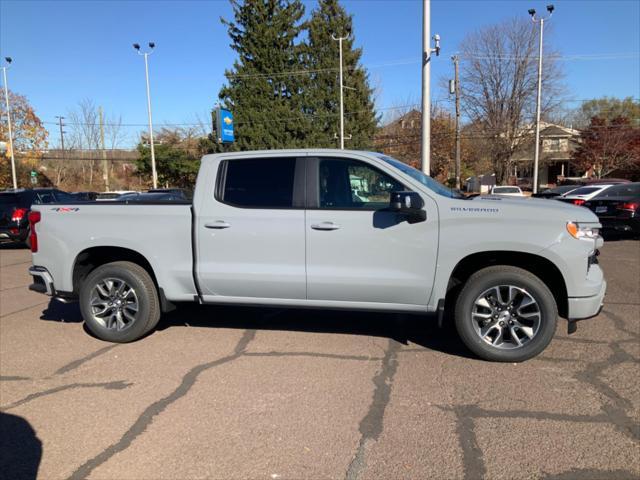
250 231
357 251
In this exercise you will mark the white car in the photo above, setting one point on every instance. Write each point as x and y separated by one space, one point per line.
582 194
507 191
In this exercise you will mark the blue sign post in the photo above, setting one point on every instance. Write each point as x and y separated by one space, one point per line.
224 126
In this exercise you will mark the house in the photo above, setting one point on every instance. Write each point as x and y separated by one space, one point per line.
557 144
400 138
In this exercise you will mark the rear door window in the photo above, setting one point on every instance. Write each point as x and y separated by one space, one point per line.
258 182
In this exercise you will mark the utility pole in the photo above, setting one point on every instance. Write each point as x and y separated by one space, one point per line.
426 84
456 85
536 158
60 119
339 40
105 166
146 71
6 99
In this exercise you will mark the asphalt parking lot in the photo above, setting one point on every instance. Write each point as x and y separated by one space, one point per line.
250 393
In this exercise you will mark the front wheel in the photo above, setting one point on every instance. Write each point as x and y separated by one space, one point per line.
505 314
119 302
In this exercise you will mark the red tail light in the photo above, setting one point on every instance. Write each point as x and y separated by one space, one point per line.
629 206
34 217
18 214
578 201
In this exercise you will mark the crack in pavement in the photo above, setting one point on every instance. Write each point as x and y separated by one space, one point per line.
12 378
312 354
147 416
372 424
592 474
24 309
613 413
118 385
17 263
15 288
472 456
76 363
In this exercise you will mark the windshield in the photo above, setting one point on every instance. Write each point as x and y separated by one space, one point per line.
420 177
64 197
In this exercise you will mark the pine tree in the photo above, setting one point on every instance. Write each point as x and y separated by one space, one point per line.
267 104
322 86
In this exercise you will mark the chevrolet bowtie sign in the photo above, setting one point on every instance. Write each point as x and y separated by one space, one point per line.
224 125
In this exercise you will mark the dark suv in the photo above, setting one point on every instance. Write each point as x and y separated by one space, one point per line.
15 206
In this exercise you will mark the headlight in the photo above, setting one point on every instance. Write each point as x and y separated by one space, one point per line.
582 231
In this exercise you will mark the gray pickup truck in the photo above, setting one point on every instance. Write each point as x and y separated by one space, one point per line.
326 229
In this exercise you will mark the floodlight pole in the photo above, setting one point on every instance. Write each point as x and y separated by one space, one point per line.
536 157
154 173
6 99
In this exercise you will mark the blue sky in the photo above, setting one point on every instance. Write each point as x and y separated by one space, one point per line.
66 51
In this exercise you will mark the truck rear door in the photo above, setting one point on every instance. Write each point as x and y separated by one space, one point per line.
250 232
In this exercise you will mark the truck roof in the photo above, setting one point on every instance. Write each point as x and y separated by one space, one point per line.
292 151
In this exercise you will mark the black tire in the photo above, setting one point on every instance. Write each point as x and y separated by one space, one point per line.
140 281
490 277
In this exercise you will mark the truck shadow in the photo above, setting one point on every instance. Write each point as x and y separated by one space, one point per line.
421 330
21 450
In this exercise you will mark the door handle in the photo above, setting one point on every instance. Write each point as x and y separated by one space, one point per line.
325 226
219 224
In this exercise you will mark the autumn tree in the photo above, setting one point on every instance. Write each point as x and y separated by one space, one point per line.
401 138
30 138
606 108
607 146
498 76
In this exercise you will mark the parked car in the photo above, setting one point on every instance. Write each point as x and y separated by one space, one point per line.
85 196
556 191
582 194
618 208
152 197
15 206
108 196
507 190
179 192
283 228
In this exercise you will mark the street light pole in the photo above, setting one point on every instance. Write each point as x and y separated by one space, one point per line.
426 84
536 158
6 99
339 40
146 71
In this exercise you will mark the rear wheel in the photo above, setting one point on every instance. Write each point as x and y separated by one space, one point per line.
119 302
506 314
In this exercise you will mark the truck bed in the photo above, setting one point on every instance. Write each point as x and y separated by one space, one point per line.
159 231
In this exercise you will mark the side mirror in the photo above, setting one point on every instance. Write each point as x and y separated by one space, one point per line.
409 204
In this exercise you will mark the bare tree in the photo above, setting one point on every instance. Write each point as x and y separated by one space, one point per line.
499 71
84 135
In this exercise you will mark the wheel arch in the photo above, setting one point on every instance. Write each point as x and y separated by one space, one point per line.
539 266
91 258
